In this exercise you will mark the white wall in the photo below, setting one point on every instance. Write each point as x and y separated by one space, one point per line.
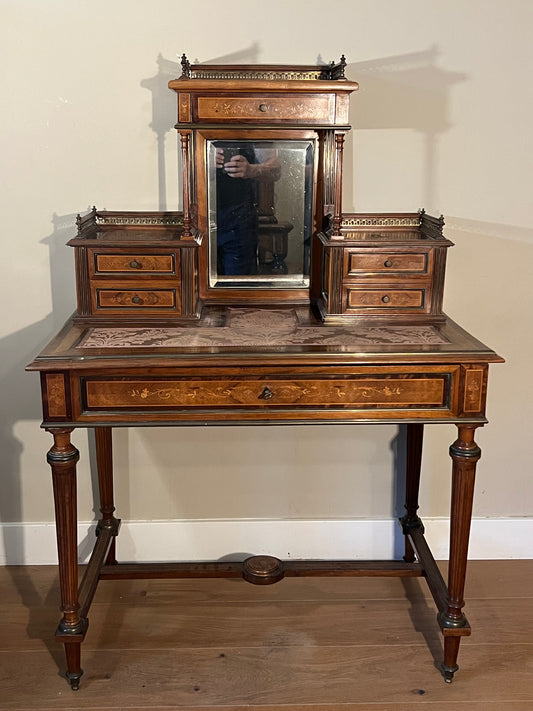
442 120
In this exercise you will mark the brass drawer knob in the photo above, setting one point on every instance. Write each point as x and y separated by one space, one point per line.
136 299
388 263
135 264
263 107
267 394
386 299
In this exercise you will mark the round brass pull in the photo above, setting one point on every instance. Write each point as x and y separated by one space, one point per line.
136 299
388 263
263 107
267 394
135 264
386 299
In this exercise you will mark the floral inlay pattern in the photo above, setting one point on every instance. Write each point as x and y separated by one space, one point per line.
260 327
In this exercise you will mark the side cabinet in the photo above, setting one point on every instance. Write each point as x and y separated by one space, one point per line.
135 265
384 265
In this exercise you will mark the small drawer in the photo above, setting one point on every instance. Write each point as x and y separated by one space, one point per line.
136 299
105 263
359 263
386 299
308 108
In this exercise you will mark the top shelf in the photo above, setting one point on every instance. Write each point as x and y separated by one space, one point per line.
391 227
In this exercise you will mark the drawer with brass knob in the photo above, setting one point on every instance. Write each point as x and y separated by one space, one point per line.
367 263
380 299
400 390
123 299
109 263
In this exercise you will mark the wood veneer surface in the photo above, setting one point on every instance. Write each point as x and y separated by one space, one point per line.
322 644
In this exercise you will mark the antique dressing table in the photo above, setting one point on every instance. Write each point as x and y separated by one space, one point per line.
261 302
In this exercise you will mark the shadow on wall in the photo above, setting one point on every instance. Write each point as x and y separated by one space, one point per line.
21 401
164 107
20 390
498 257
407 91
163 118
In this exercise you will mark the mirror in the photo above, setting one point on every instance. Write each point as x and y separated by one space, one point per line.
260 212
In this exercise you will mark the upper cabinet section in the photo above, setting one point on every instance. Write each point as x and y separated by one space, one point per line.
263 95
261 156
262 221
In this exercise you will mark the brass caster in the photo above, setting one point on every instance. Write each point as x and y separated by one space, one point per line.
74 680
448 673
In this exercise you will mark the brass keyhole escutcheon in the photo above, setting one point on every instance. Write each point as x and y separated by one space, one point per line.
386 299
267 394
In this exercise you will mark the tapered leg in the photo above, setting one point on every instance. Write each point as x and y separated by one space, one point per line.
415 436
104 460
465 454
62 458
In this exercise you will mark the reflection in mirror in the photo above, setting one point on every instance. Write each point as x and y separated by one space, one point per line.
260 196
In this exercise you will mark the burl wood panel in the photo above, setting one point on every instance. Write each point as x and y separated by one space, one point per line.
136 299
360 262
184 108
127 263
393 392
383 298
56 395
473 390
319 108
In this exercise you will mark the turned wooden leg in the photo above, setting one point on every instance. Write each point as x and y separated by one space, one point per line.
415 436
104 461
62 458
465 454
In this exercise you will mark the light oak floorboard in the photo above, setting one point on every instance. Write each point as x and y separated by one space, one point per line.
324 644
384 622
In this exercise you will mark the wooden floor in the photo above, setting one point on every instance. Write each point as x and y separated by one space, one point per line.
318 644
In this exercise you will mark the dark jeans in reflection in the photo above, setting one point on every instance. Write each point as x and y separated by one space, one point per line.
237 240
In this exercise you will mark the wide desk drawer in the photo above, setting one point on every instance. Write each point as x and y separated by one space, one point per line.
404 389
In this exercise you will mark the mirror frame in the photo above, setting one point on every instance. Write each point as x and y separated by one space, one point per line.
200 209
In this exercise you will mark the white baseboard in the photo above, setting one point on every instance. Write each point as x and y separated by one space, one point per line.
186 540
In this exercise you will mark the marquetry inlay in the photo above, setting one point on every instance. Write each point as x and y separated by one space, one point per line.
362 392
55 392
473 390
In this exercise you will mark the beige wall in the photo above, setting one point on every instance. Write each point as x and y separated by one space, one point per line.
443 120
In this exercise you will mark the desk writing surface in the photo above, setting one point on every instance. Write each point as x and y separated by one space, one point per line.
262 333
255 365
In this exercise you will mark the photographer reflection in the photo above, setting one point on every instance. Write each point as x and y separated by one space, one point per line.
239 169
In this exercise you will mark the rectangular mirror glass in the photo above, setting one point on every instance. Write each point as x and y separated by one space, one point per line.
260 213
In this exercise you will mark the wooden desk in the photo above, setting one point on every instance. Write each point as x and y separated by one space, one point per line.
260 366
